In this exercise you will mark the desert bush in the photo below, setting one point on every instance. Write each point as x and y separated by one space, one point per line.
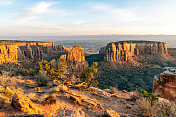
6 80
145 108
53 62
49 100
113 89
167 109
152 97
88 74
37 89
42 78
134 96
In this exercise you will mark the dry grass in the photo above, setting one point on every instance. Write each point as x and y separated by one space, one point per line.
145 108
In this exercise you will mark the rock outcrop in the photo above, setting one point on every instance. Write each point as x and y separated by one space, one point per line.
8 53
76 60
20 51
76 54
165 86
126 50
70 113
61 48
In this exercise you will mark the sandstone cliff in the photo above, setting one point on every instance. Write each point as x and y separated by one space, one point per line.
8 53
76 54
125 50
76 60
20 51
166 86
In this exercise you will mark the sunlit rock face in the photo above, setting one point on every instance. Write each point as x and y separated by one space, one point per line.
8 53
17 51
166 86
76 54
125 50
76 60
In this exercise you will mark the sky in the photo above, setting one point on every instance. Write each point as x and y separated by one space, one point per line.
87 17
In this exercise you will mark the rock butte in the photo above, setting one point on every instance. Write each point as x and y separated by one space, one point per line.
76 60
166 86
18 51
76 54
125 50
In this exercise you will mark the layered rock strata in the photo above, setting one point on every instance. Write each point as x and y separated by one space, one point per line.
165 86
125 50
17 51
76 60
8 53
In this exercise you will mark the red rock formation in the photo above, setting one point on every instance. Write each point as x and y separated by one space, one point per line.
8 53
61 48
165 87
76 54
76 60
125 50
19 51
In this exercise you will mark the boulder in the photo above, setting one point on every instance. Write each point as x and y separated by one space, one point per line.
24 104
111 113
100 92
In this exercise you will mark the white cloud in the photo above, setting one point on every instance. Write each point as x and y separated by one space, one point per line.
5 2
39 9
118 14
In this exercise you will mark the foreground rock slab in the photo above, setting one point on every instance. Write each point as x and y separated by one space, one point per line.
70 113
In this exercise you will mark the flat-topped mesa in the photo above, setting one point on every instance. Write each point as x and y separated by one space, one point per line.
76 54
125 50
20 51
165 86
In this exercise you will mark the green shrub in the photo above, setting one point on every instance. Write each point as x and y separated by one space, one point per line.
152 97
88 74
42 79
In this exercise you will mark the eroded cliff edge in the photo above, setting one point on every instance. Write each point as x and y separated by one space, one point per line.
132 51
20 51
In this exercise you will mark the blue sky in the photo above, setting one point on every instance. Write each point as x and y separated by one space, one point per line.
87 17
